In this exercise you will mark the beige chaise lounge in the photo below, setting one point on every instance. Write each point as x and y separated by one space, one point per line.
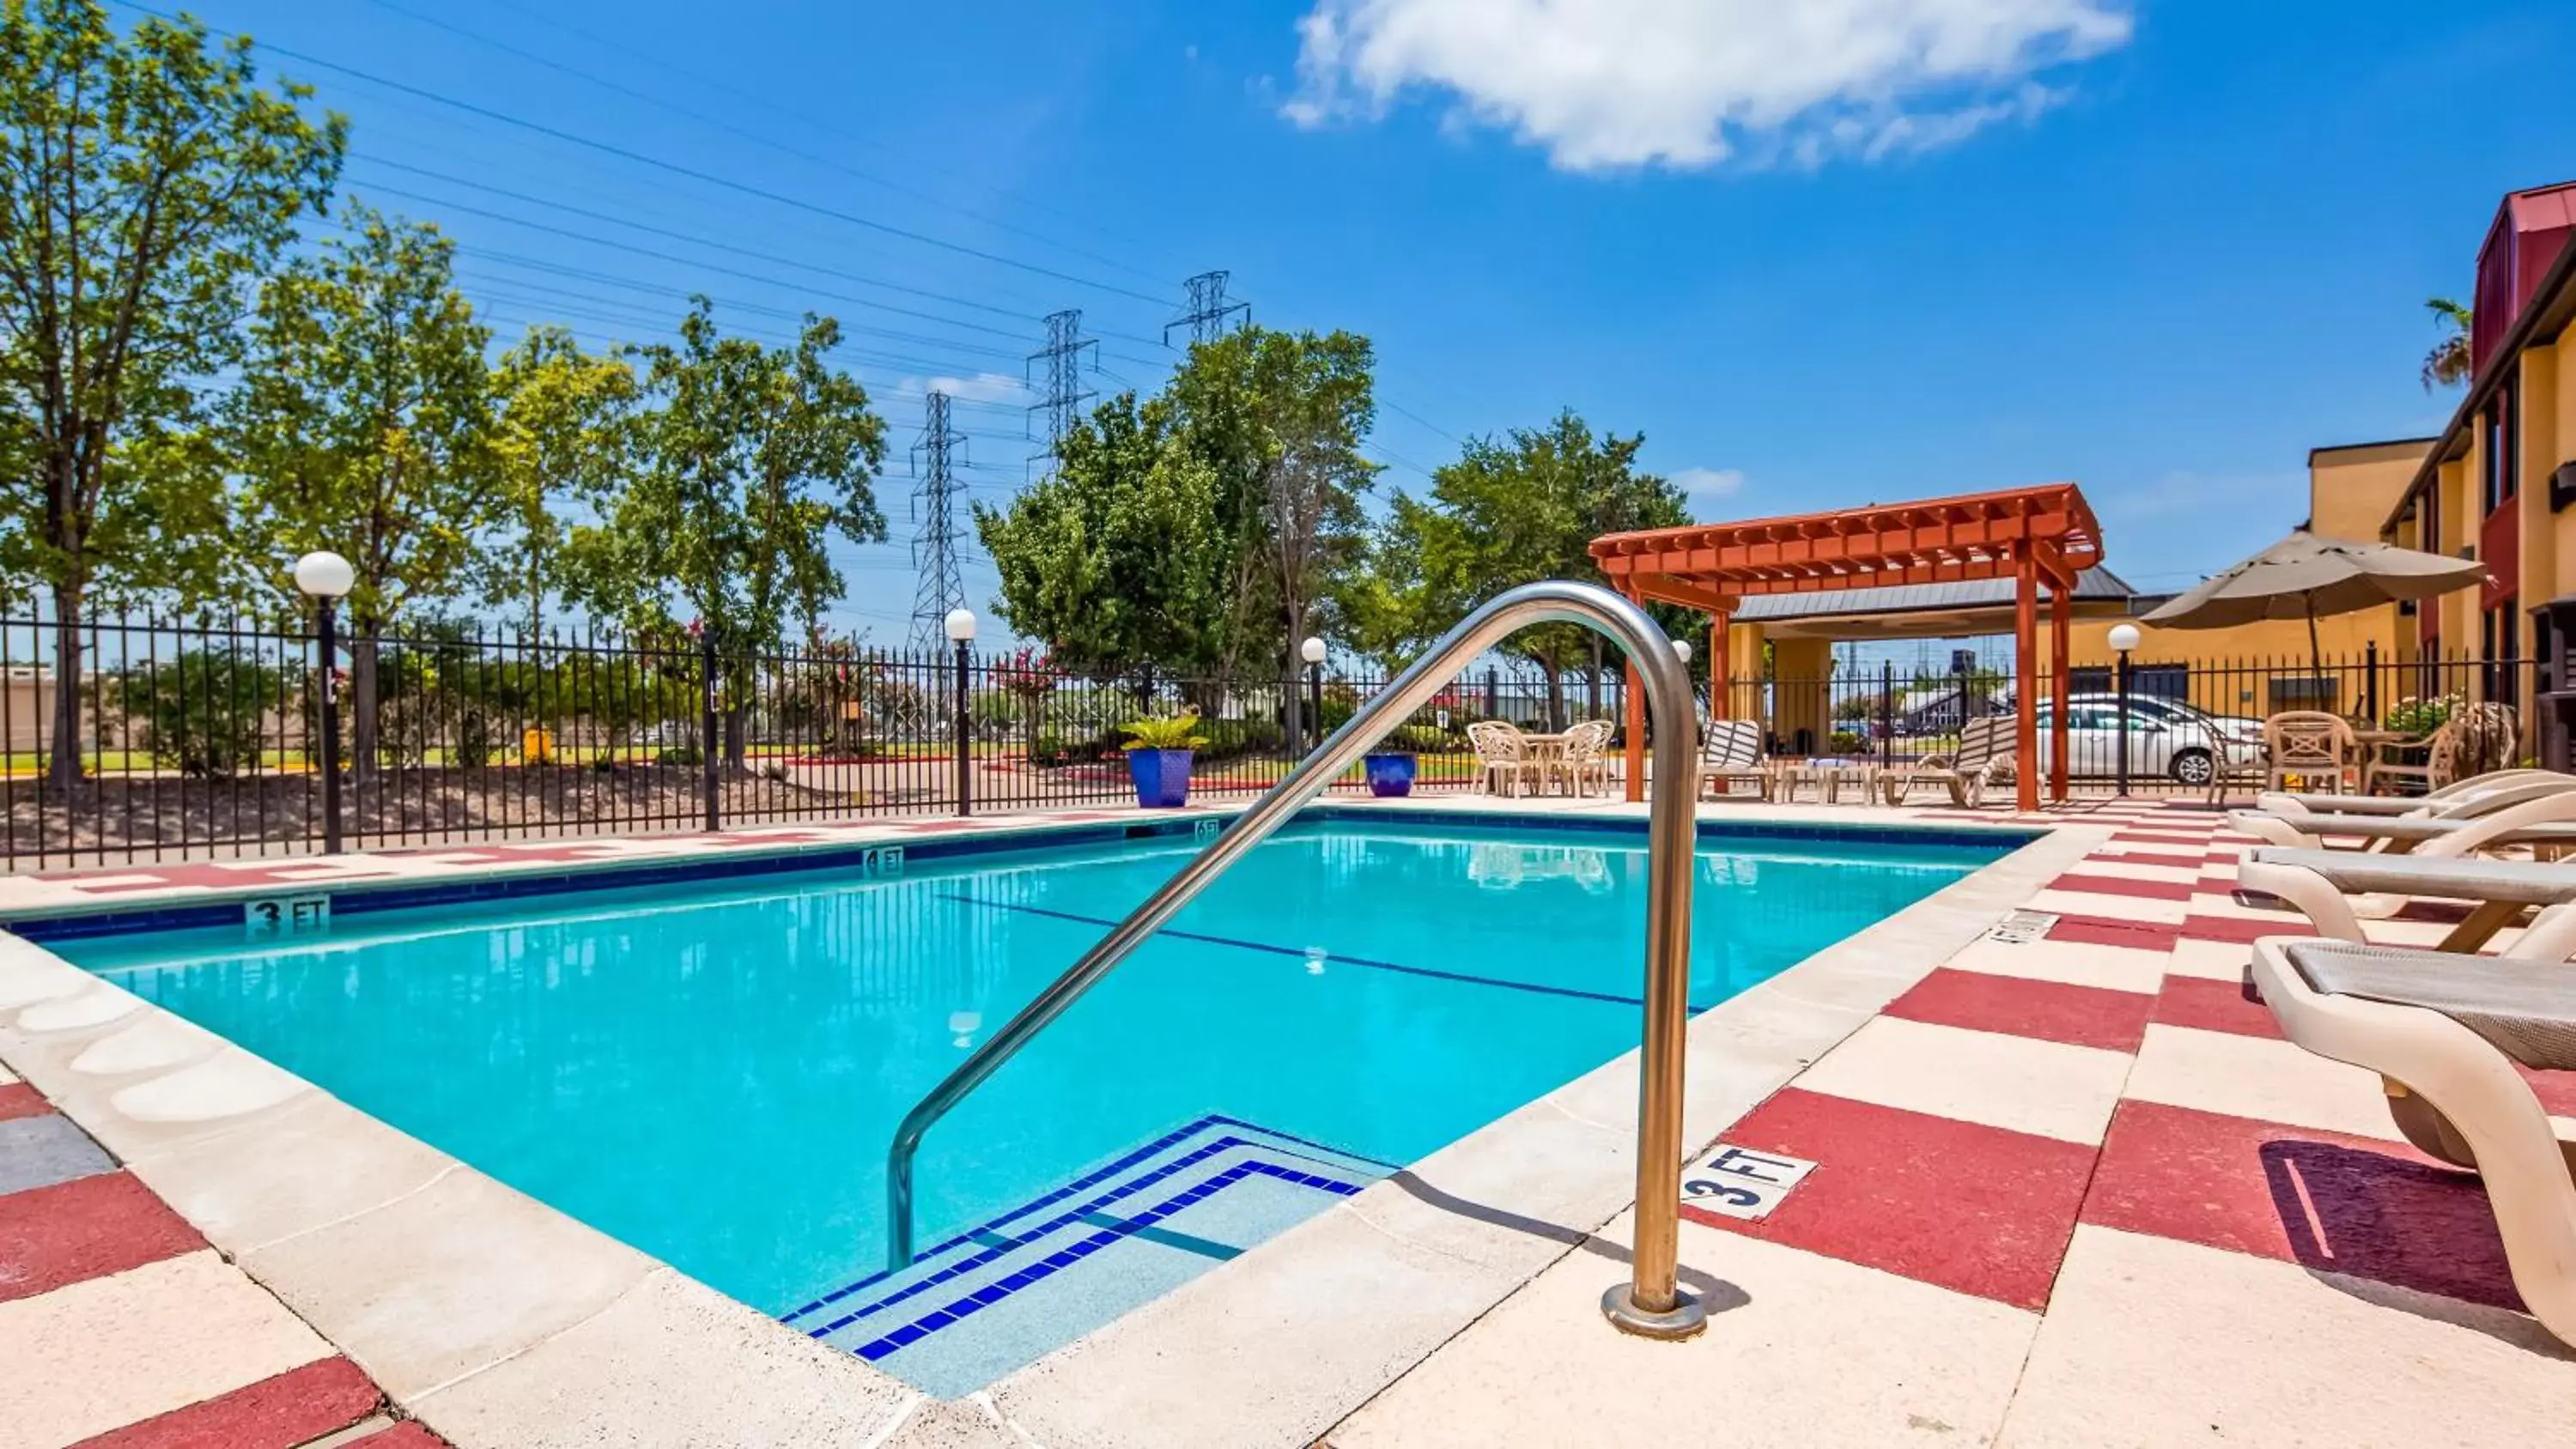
2538 812
1730 753
2433 802
2338 889
1983 758
2447 1032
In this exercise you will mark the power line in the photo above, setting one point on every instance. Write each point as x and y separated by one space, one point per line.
720 270
671 234
729 128
768 102
625 153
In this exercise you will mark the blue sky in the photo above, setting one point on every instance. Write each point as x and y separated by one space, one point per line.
2160 249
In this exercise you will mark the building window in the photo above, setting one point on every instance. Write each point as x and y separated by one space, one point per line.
2499 447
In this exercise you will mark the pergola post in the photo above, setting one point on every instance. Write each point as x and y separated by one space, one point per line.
2061 616
1721 668
1634 756
2026 679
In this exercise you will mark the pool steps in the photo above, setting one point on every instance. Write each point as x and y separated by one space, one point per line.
986 1302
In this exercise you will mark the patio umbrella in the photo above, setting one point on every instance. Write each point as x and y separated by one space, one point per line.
2307 577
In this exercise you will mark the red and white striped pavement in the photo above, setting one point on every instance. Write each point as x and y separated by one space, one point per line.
121 1329
2078 1191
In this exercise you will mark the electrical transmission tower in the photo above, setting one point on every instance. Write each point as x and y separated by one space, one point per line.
1208 310
934 545
1063 393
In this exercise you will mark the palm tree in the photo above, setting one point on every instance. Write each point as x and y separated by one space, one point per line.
2449 362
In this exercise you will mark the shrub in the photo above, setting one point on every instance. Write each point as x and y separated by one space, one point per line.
201 712
2422 716
680 756
1230 738
1844 742
1077 726
474 747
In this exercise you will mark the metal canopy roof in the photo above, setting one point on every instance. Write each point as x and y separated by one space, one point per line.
1925 611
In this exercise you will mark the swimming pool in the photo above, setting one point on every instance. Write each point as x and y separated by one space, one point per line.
711 1072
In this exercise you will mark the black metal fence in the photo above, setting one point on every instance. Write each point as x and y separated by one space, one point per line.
2185 718
199 738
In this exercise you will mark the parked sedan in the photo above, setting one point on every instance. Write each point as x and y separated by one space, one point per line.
2166 738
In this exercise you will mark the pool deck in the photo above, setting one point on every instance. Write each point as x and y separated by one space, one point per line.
2075 1191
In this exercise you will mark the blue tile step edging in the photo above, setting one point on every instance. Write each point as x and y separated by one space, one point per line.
999 1297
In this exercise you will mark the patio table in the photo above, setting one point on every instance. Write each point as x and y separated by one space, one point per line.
1546 757
1829 778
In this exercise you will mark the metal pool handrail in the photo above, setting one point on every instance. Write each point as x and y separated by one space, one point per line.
1651 1302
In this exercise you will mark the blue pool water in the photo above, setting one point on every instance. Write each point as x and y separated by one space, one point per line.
711 1073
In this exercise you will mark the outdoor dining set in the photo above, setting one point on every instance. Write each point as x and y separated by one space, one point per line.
2301 749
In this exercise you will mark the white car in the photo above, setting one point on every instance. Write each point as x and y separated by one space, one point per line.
2166 738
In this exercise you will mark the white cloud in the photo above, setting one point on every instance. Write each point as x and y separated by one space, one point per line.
982 387
1605 84
1708 485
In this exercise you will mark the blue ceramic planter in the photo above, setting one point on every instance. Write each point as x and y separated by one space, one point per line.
1162 777
1390 775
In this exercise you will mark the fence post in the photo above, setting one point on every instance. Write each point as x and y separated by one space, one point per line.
330 642
2370 680
1886 712
707 745
965 735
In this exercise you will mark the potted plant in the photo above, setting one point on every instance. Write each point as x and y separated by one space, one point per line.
1391 766
1158 759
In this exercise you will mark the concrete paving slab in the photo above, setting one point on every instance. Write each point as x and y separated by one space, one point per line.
2258 1077
2157 1344
639 1371
447 1280
1809 1351
2017 1083
100 1354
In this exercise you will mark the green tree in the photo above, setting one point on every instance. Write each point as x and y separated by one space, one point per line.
1512 511
1280 418
749 460
566 434
1117 559
145 181
363 423
2449 363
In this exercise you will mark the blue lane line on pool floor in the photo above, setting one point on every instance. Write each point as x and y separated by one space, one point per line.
1299 953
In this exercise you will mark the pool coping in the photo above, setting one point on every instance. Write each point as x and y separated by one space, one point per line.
498 1319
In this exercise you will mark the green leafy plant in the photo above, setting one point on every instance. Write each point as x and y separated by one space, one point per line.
2422 716
202 712
1169 732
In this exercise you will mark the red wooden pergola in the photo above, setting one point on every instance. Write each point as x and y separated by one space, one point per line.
2034 536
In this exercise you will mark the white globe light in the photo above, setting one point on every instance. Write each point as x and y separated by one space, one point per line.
1312 651
960 625
2124 637
325 575
1681 650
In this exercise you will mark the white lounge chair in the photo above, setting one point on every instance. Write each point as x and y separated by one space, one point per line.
2328 885
2526 802
2440 801
1730 752
2447 1033
1984 757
